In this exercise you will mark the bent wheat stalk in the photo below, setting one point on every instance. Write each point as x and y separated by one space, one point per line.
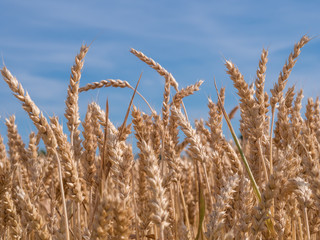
112 83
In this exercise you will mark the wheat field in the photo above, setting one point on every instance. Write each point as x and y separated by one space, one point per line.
188 180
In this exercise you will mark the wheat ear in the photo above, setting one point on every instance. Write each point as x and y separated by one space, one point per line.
33 215
72 107
217 217
65 152
169 81
277 91
90 145
159 202
11 216
259 83
111 83
184 92
156 66
102 225
196 147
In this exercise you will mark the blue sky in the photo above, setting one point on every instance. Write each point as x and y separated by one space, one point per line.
39 40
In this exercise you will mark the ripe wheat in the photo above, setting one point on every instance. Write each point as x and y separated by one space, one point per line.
190 187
